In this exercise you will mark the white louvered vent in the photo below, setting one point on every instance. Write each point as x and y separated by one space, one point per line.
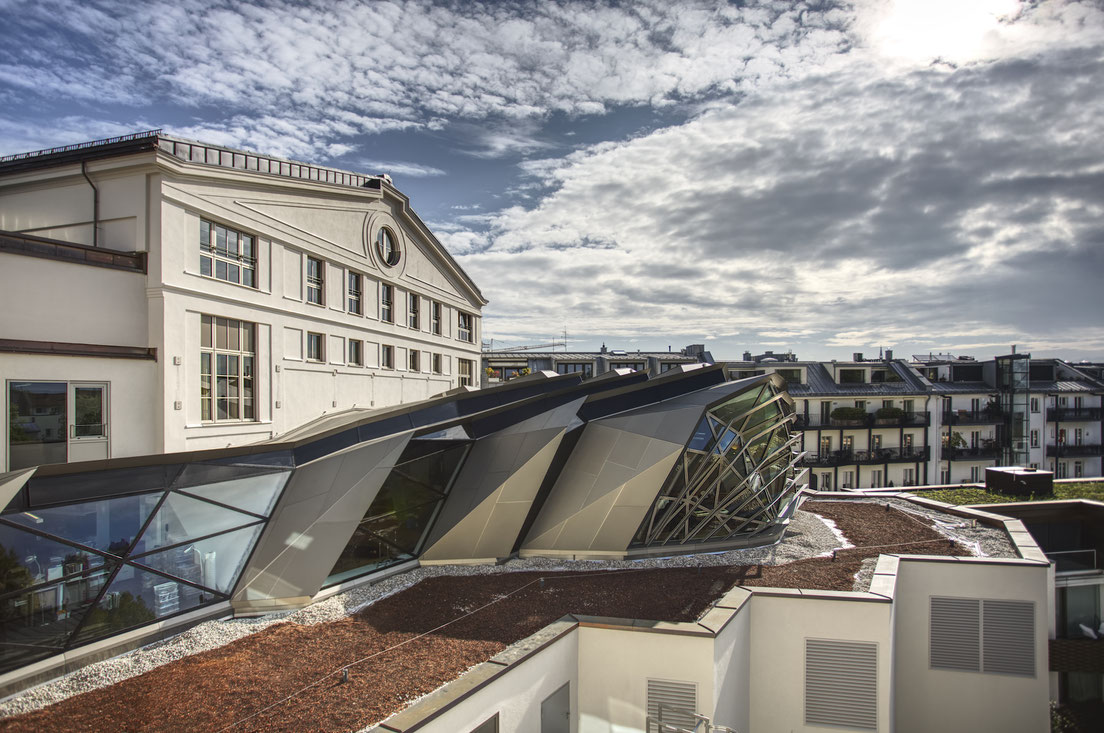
841 683
1009 637
955 634
681 695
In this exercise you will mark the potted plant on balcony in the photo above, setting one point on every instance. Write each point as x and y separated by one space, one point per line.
848 416
888 415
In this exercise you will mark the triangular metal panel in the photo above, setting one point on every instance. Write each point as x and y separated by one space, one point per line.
320 508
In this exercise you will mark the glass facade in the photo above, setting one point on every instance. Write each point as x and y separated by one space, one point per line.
81 571
396 523
735 479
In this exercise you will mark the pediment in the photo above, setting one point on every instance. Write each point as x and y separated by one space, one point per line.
337 226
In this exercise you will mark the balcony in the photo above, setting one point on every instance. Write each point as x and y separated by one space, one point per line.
1073 414
865 457
1070 450
988 416
977 453
905 420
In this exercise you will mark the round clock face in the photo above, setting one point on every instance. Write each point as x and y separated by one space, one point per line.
387 247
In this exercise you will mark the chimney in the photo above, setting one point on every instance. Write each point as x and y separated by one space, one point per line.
1013 348
603 347
889 355
856 356
747 356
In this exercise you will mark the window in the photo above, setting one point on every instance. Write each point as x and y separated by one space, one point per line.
355 294
1034 438
387 247
587 370
975 474
1078 469
910 477
226 365
465 368
876 479
852 376
316 347
227 254
356 352
464 326
412 311
387 303
887 403
316 279
793 376
435 318
633 365
860 404
413 361
387 356
1063 470
1034 404
436 363
907 405
944 476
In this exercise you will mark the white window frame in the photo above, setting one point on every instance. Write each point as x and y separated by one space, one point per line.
354 296
316 284
245 372
321 356
210 254
357 359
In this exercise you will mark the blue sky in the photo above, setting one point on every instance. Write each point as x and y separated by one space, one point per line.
827 177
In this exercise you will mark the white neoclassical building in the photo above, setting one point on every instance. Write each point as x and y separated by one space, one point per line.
160 295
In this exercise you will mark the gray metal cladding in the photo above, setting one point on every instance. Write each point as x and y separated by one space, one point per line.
955 634
1009 637
841 683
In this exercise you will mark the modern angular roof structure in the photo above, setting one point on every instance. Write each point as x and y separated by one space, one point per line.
547 465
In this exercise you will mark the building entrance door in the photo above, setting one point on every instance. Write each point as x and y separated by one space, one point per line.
556 711
88 434
56 422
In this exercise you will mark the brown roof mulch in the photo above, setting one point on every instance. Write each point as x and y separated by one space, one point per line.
243 685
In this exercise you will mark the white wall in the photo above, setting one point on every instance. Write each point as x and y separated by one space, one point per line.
732 672
779 627
614 668
516 695
131 389
950 701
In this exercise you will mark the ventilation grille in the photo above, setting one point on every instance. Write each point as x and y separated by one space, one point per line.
955 634
841 683
995 637
681 695
1009 637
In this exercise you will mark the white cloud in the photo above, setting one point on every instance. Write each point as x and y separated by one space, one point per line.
398 168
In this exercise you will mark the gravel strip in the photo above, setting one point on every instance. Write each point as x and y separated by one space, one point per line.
807 536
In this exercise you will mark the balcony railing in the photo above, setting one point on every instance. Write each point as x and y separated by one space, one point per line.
866 457
1071 450
1070 414
1072 561
906 420
987 416
978 453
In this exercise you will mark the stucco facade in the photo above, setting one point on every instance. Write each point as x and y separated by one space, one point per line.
332 324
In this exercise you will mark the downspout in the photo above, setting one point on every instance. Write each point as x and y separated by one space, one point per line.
95 206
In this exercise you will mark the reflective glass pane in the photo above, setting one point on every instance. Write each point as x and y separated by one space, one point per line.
37 623
703 436
27 559
214 562
37 420
136 597
255 494
364 554
737 406
109 525
88 406
182 518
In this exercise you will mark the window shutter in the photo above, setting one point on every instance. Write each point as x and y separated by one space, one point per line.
841 683
955 634
681 695
1009 637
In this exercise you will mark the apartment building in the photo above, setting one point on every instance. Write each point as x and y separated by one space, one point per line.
504 364
871 423
167 295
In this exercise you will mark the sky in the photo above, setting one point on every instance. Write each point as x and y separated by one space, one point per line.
821 177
